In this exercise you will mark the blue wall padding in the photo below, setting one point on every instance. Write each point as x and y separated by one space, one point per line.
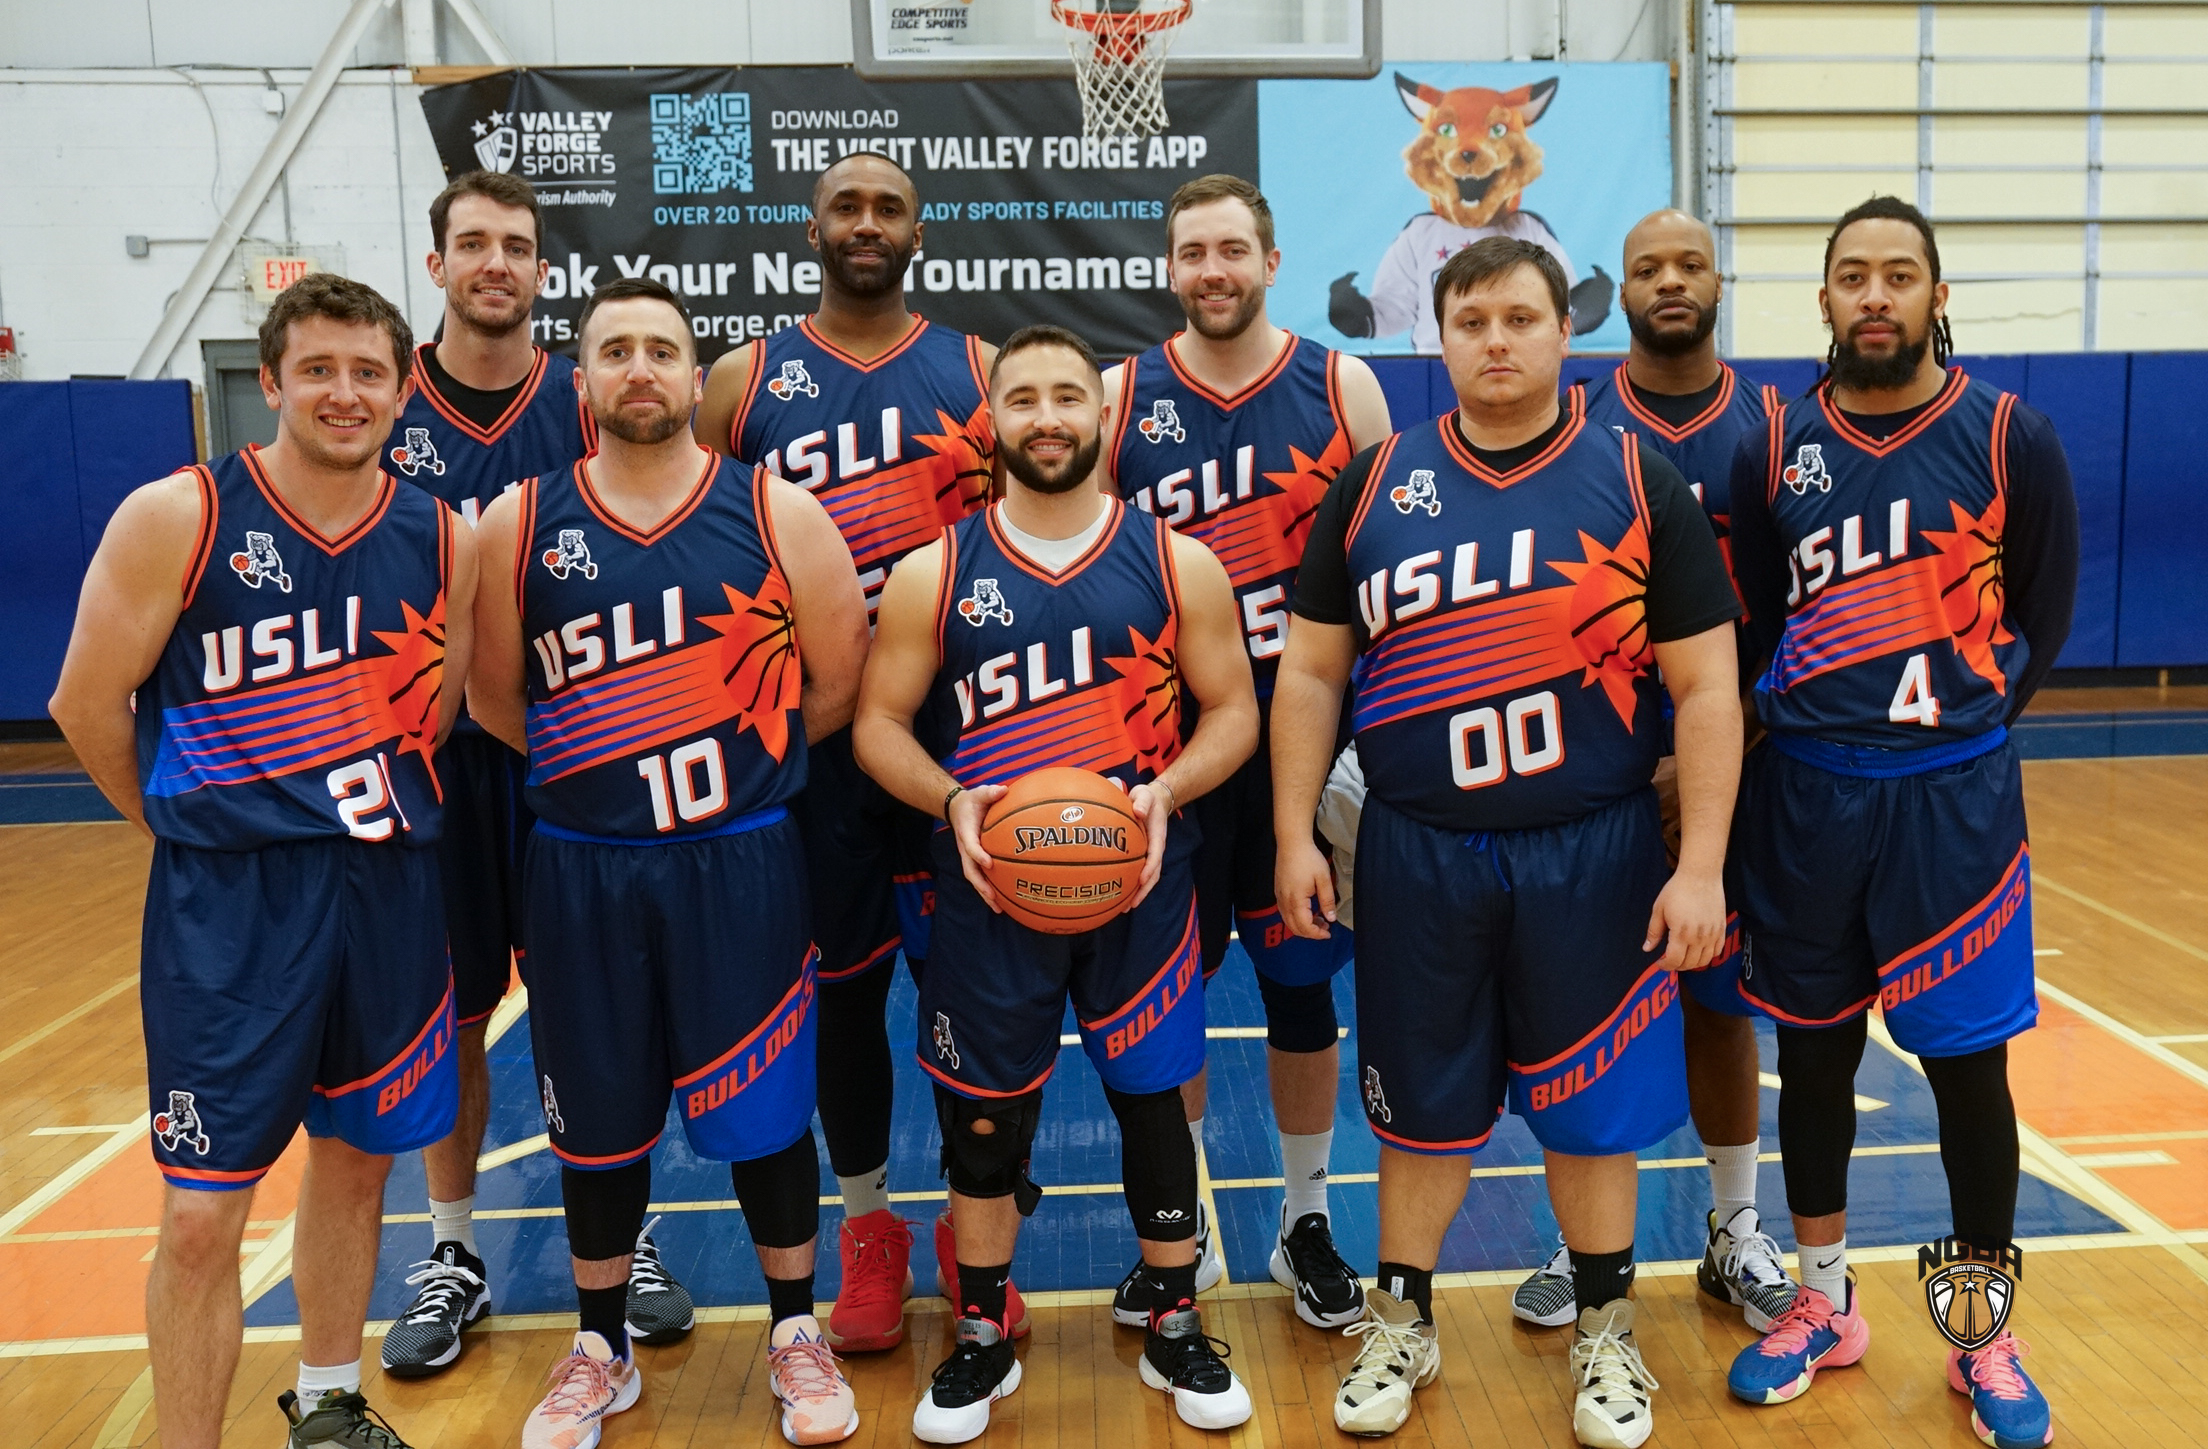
2159 619
2083 395
128 433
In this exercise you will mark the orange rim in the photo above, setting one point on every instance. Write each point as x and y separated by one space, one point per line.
1142 22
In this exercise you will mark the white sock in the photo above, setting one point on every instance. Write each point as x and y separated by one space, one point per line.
317 1384
1196 1136
1732 1177
1826 1270
1303 1162
868 1192
454 1222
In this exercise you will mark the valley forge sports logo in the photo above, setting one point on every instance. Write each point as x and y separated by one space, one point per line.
1969 1289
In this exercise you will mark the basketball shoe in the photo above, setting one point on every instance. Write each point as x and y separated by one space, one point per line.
1811 1334
1179 1358
342 1421
1741 1266
1545 1298
818 1406
2007 1410
1400 1353
946 1280
1611 1409
452 1296
590 1384
980 1371
1131 1304
659 1309
1305 1262
876 1252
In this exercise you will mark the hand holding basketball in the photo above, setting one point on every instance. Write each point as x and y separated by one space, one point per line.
965 815
1067 849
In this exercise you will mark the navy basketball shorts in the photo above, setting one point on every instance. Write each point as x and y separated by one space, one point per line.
680 970
301 982
1912 891
1506 966
851 836
1234 882
479 855
994 994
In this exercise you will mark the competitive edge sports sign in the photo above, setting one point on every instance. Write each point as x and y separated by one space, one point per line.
703 179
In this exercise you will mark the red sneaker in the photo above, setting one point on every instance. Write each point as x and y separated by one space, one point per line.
876 1252
946 1278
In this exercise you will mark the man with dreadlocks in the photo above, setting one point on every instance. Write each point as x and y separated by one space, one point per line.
1905 539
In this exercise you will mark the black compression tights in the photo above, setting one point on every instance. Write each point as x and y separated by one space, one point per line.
853 1077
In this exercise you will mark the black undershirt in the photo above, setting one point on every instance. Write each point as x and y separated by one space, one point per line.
1677 409
480 407
1688 589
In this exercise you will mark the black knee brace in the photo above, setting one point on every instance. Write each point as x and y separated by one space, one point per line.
1817 1112
780 1194
605 1210
1157 1163
1977 1142
993 1163
1299 1018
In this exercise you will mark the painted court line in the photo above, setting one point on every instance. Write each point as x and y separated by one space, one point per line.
2193 1071
69 1017
63 1181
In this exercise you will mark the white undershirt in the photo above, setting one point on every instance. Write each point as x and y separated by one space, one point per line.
1054 554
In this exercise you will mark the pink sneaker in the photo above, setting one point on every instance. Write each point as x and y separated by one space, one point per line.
818 1406
587 1385
1811 1334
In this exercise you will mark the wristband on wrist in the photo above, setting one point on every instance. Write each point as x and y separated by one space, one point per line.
1173 804
954 792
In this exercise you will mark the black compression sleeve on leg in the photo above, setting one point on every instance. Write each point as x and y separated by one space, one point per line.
853 1080
1977 1142
1299 1018
780 1194
1817 1112
605 1210
1157 1163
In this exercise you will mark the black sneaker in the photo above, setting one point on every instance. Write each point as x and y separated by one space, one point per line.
340 1421
1180 1359
659 1308
1131 1305
980 1371
453 1295
1328 1294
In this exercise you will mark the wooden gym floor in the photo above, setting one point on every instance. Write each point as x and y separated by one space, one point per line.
2112 1089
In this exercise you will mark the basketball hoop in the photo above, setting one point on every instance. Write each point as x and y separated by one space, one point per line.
1119 49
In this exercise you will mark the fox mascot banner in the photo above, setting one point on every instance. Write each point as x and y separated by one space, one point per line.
1374 184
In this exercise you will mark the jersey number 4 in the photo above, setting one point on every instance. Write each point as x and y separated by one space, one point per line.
1913 700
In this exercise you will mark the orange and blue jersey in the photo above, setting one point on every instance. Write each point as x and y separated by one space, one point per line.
298 697
438 449
1242 474
894 447
1079 667
1897 633
663 671
1507 677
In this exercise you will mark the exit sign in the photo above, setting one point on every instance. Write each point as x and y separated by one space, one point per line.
270 268
278 273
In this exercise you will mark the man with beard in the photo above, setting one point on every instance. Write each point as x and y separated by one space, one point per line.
488 409
690 626
1676 396
1230 432
884 417
1906 543
1118 620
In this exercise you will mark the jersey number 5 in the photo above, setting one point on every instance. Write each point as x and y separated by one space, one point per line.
1265 622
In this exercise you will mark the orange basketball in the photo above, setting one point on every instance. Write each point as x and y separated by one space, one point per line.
1065 850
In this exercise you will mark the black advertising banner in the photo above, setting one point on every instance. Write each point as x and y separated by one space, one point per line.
703 179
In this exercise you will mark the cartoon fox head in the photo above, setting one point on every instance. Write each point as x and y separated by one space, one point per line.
1472 155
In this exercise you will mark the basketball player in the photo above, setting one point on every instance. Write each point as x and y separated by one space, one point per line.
690 625
1906 541
1679 399
1060 627
287 621
1230 432
488 409
1505 582
884 417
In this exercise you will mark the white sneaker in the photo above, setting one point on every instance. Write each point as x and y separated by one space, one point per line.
1741 1265
1184 1362
1545 1298
589 1384
979 1371
1611 1409
1399 1354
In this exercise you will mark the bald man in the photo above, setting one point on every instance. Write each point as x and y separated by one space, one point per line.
1674 392
885 418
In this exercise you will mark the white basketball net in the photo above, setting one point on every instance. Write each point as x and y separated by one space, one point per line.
1119 65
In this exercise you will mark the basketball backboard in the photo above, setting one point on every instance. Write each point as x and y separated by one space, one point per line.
961 39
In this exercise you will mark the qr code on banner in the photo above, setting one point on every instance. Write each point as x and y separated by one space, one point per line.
701 145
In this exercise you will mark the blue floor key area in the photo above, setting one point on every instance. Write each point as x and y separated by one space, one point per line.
1082 1239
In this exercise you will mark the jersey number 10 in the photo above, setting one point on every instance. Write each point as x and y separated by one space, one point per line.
673 780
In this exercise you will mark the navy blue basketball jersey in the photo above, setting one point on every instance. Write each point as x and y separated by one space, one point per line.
1701 448
1241 474
1509 681
1895 635
1075 668
895 448
663 671
298 696
435 447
